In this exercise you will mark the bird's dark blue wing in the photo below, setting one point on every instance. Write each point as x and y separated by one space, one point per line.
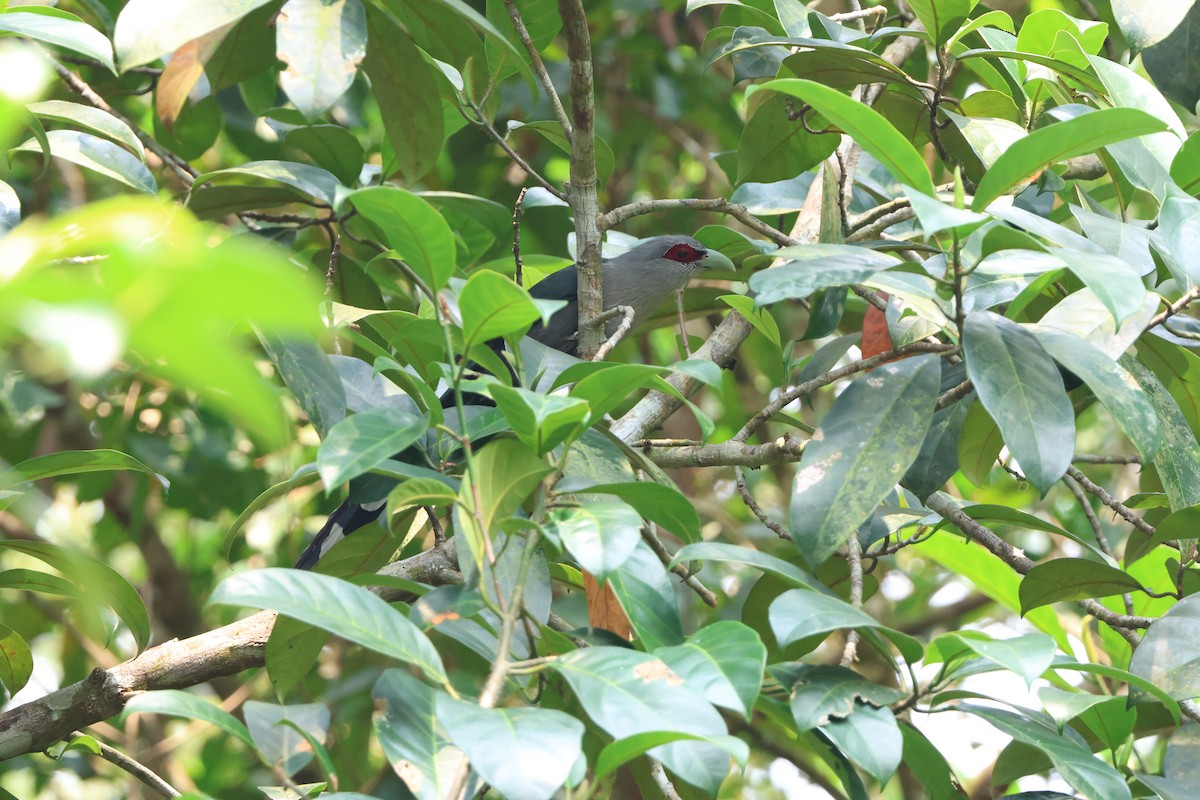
563 331
346 518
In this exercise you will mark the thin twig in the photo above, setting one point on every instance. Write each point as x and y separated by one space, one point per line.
1174 308
1097 530
137 770
854 558
1116 505
481 120
716 204
662 781
518 264
1092 458
683 334
952 396
539 67
626 313
756 509
859 13
650 537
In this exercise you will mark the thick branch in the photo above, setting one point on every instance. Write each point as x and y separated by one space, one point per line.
581 191
727 454
718 204
176 664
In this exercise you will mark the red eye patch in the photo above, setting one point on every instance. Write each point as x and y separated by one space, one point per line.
684 253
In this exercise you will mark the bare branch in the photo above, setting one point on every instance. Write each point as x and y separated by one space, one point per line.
626 313
756 509
650 537
539 67
717 204
482 121
783 450
137 770
1116 505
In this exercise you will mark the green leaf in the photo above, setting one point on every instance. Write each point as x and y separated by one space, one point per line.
351 612
816 266
647 594
1171 651
274 731
99 155
411 227
506 473
1075 763
31 580
73 462
929 766
541 421
798 614
622 751
870 129
606 388
409 733
822 693
90 119
149 29
523 753
1176 461
361 441
861 449
1113 280
661 504
735 554
333 147
16 660
311 378
60 29
1021 388
405 86
725 660
322 44
1058 142
421 492
774 147
213 202
1113 386
601 535
551 131
871 738
628 693
942 18
178 703
300 477
1028 655
936 216
97 581
310 180
492 305
760 318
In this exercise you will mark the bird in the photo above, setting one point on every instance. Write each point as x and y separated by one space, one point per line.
641 278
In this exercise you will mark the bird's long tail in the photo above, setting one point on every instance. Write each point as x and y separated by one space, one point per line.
346 519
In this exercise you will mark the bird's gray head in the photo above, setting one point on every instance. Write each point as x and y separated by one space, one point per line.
673 254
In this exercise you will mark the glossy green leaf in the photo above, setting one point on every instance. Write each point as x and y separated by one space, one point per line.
605 389
322 44
871 738
774 147
942 18
1062 579
1088 775
1021 388
405 88
275 731
411 227
1115 281
178 703
735 554
410 735
361 441
541 421
861 449
149 29
1058 142
1176 461
311 378
628 748
647 593
816 266
492 305
523 753
661 504
759 318
421 492
31 580
92 120
1169 653
626 693
97 154
333 147
58 28
725 660
96 580
72 462
1028 655
870 129
1113 386
310 180
16 660
551 131
600 535
350 611
798 614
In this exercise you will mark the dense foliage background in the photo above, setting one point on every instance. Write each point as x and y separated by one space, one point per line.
906 507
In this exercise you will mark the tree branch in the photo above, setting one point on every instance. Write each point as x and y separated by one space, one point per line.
581 191
177 664
717 204
539 67
783 450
